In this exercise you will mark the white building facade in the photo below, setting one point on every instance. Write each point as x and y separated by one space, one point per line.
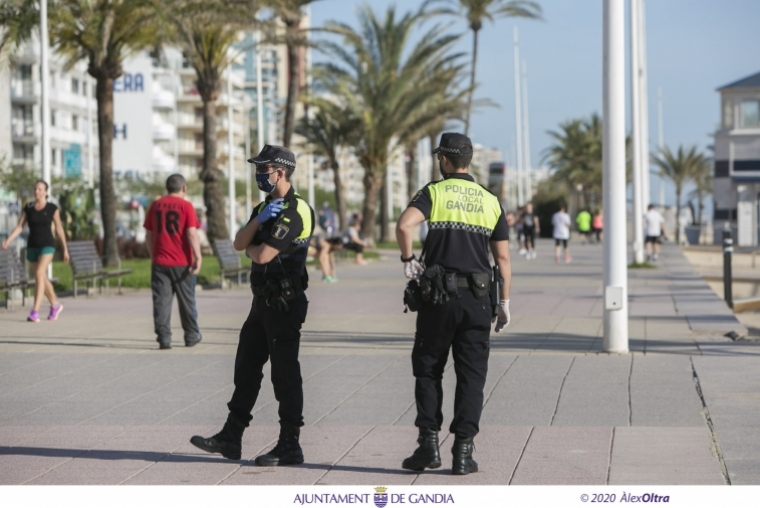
736 183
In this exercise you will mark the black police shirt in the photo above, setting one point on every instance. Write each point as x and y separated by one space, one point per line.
456 247
281 232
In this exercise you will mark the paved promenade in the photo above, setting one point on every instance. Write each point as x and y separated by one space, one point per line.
91 400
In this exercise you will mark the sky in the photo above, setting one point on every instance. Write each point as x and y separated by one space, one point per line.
693 47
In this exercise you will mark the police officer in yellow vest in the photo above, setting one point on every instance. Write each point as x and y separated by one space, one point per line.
464 219
276 239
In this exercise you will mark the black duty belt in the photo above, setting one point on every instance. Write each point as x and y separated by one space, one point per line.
287 287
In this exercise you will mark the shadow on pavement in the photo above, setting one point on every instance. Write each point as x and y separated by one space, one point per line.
112 455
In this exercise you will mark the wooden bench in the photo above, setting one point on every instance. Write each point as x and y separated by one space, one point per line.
229 261
86 265
12 275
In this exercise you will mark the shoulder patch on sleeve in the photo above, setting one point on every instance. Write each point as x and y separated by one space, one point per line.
279 231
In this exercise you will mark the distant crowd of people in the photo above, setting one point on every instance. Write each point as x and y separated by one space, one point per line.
527 227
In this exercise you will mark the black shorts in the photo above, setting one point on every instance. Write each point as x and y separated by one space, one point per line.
558 242
652 239
354 247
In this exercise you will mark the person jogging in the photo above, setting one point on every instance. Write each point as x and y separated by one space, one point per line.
531 228
40 215
561 234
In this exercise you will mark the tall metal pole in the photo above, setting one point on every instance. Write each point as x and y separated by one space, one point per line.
518 124
45 92
660 141
644 106
230 155
637 161
259 105
526 137
90 149
247 168
310 156
615 270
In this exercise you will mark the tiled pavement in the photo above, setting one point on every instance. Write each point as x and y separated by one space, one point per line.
91 400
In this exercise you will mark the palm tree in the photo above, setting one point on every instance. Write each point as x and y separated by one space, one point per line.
679 168
386 88
326 132
289 12
576 156
479 11
104 33
206 32
703 180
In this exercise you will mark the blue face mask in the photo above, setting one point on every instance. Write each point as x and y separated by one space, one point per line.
263 183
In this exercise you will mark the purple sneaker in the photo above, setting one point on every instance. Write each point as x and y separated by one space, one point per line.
34 316
54 311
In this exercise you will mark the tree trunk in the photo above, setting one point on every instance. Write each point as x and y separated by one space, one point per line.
210 175
340 193
293 82
678 214
701 207
372 187
384 204
411 175
436 173
472 80
104 91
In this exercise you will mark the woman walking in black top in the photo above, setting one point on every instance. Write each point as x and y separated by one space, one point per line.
40 216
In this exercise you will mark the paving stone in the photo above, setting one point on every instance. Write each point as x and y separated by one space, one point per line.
663 456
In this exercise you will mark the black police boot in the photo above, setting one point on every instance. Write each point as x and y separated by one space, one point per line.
427 454
228 442
463 461
286 452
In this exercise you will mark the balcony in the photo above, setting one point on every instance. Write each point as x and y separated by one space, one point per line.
162 98
162 161
163 131
23 91
23 132
189 121
189 148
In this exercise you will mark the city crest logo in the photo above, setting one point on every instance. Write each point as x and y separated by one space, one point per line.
381 497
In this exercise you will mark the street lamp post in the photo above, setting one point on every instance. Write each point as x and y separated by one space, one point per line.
259 105
615 270
230 155
636 151
518 123
45 93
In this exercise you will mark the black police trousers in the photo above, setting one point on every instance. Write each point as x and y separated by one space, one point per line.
269 334
464 325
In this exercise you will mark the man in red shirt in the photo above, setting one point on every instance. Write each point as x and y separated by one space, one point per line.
172 240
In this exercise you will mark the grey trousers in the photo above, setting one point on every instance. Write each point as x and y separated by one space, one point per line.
165 282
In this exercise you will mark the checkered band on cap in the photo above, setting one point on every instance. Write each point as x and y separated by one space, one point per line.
449 150
285 162
463 226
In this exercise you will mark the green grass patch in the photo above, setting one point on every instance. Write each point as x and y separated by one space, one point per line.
140 276
644 265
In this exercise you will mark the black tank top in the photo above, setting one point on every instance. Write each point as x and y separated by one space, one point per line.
529 220
40 225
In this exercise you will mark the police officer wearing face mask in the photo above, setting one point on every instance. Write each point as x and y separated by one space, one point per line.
464 219
276 239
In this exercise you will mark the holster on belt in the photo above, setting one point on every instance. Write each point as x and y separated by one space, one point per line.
289 287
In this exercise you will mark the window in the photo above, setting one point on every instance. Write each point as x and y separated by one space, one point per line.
74 123
52 117
728 113
751 113
75 86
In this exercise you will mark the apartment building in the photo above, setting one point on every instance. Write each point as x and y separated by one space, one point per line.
73 130
736 184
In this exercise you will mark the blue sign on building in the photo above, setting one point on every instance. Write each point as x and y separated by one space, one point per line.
72 161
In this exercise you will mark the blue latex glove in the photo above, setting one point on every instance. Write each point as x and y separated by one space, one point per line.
271 210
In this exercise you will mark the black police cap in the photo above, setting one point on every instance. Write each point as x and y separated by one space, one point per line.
273 154
453 143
